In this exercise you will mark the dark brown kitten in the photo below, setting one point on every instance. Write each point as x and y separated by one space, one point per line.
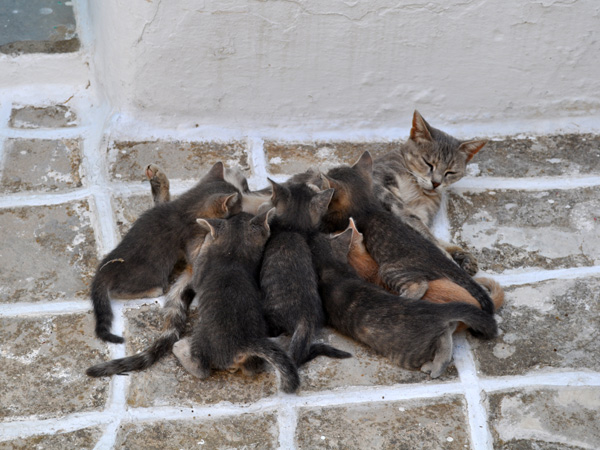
414 334
409 181
407 260
291 301
142 262
232 330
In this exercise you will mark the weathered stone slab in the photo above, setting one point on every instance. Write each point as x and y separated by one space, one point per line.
365 368
545 156
168 384
37 26
180 160
50 255
81 439
520 229
56 116
427 424
553 324
41 165
128 209
246 431
42 366
562 418
292 158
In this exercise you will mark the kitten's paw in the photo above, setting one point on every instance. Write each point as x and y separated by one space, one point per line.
466 260
433 369
414 289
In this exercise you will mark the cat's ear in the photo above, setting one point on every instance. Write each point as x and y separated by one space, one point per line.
470 148
211 226
357 236
364 165
326 182
280 193
216 172
340 244
263 220
227 202
319 203
420 129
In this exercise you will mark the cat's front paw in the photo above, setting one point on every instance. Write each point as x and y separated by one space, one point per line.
466 260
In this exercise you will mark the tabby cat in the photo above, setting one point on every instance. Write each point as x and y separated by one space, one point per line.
409 180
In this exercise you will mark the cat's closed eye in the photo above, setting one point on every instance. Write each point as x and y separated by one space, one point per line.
428 165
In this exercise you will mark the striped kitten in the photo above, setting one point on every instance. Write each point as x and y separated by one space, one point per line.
409 181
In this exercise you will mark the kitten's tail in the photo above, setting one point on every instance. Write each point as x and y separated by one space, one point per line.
271 352
481 323
495 290
302 351
103 311
176 308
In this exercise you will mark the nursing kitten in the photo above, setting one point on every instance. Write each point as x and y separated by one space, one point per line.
407 260
439 291
414 334
232 331
409 181
142 262
291 301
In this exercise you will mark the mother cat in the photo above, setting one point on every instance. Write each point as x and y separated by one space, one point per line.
409 180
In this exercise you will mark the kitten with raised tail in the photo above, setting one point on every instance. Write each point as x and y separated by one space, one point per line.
439 291
407 260
291 301
409 181
414 334
142 262
232 331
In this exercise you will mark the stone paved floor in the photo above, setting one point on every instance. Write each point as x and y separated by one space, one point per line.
530 209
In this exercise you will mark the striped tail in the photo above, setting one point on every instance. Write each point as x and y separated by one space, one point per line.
103 311
177 305
268 350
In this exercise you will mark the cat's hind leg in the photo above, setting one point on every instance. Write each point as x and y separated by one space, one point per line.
443 354
196 366
406 284
461 256
159 184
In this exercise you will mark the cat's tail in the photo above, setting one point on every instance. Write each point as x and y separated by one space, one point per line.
495 290
482 323
176 310
319 349
270 351
103 310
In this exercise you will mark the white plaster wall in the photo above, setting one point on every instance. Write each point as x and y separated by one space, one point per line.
347 64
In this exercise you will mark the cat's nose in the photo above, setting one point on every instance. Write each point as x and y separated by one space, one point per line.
435 184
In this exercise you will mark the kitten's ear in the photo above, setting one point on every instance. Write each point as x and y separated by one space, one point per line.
319 203
216 172
279 194
340 244
210 225
470 148
263 220
357 236
420 129
228 201
364 164
325 182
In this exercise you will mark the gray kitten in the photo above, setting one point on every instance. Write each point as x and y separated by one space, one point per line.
291 301
409 180
232 331
413 334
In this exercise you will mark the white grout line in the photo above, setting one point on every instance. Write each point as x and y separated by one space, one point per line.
287 420
42 199
256 147
516 278
535 380
45 133
469 184
481 438
5 111
43 308
109 437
